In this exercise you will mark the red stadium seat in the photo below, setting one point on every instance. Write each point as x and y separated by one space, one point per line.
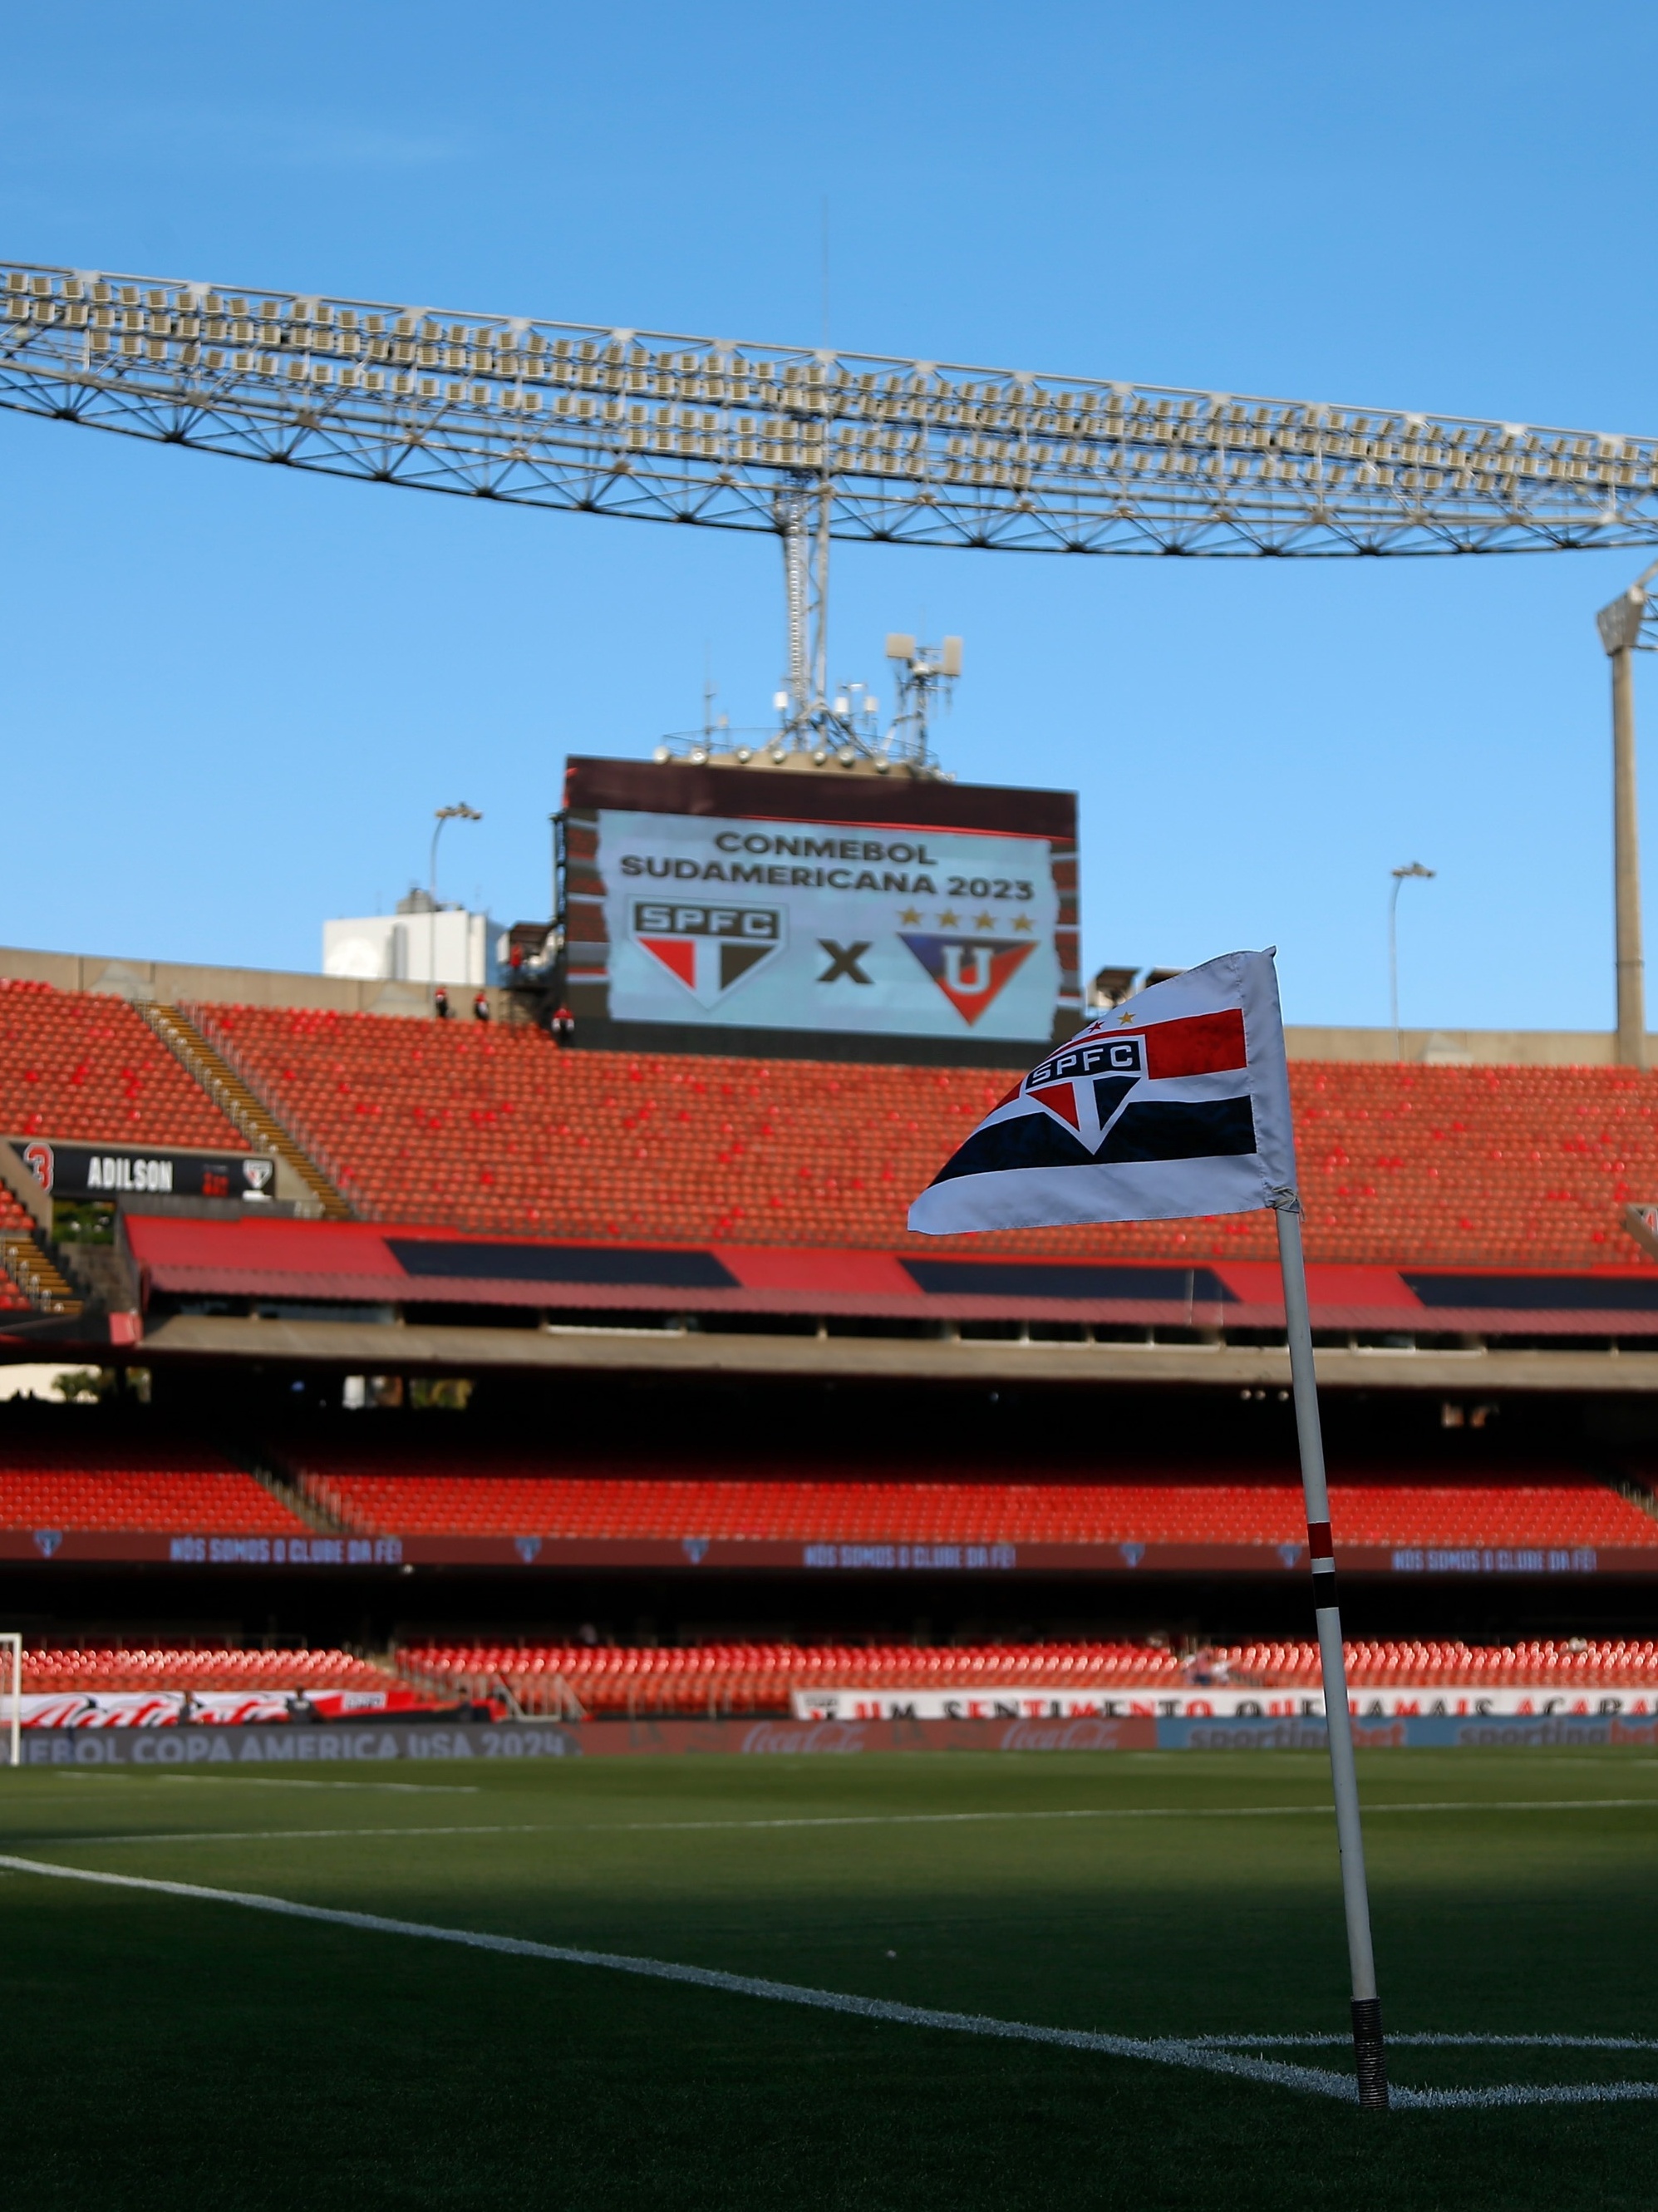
174 1668
86 1482
495 1130
403 1489
83 1065
16 1223
761 1677
15 1217
602 1680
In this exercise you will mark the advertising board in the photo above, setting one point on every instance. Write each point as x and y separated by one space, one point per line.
118 1171
1423 1701
371 1740
841 916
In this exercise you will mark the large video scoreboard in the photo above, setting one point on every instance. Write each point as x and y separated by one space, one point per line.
824 914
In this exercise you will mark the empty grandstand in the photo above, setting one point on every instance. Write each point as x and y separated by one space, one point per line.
1564 1506
170 1685
85 1065
497 1130
89 1483
196 1668
575 1680
16 1246
637 1348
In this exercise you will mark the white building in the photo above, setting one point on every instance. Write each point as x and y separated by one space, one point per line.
418 944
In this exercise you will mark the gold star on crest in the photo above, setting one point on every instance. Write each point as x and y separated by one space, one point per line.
1023 921
910 915
984 921
946 921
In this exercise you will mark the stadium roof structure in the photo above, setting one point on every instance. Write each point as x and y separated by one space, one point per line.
389 1297
735 436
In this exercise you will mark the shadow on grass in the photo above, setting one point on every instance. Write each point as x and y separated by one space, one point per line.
174 2057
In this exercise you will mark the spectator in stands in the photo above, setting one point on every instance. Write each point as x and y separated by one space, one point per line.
441 1003
562 1026
481 1008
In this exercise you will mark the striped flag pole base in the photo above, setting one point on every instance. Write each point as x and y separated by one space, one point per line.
1368 2054
1371 2055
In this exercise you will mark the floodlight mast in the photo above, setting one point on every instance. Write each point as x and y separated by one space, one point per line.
705 430
812 724
807 444
1628 625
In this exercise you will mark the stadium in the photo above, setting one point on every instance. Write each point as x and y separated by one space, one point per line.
496 1370
587 1382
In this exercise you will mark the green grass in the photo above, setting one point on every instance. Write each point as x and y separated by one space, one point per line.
177 2054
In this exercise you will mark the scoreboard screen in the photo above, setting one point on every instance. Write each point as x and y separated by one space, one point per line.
730 909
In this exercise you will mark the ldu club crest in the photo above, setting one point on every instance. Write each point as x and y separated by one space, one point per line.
972 972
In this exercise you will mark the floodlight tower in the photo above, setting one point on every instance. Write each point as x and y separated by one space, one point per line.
803 523
461 812
843 727
806 443
1628 626
801 443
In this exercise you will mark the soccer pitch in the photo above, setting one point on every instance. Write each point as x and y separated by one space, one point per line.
1176 1915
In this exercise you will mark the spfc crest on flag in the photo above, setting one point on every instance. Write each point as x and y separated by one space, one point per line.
1176 1104
970 971
1097 1078
709 948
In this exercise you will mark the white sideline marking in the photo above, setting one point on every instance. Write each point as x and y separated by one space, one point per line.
305 1835
1157 1813
842 1820
272 1782
1206 2054
1439 2041
281 1781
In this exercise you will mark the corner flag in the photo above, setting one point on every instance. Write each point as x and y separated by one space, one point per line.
1178 1103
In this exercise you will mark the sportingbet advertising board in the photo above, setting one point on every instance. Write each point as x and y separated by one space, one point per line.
845 918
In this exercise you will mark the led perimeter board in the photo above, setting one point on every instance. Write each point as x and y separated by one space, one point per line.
818 915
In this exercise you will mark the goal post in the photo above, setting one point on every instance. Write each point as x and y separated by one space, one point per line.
13 1638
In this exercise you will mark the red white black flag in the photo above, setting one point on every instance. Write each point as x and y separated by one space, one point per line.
1177 1102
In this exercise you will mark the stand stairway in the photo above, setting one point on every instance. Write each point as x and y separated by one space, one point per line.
249 1112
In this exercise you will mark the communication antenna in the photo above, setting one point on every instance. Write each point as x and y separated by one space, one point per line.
842 729
926 678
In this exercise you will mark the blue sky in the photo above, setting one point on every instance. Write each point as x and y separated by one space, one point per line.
231 698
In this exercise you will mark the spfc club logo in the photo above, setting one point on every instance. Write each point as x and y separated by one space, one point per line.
709 949
1087 1084
972 972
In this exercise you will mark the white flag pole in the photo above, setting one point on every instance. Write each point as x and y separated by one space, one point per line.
1369 2053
